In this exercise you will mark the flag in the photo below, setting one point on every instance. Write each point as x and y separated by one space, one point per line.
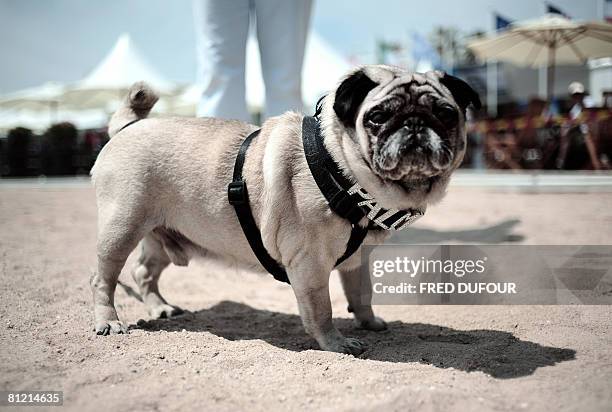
551 8
501 23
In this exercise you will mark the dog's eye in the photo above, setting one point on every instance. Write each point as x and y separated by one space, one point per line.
447 115
378 116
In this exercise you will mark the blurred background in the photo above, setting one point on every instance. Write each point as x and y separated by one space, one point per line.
543 71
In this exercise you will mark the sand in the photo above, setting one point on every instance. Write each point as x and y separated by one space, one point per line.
241 346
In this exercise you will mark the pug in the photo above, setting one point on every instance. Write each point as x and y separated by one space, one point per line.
161 184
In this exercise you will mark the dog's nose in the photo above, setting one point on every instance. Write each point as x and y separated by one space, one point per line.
414 131
414 124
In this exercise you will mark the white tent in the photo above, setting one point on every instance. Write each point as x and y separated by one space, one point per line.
323 68
105 86
86 103
89 102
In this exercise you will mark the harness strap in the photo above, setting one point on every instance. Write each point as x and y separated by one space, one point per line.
327 174
358 235
131 122
238 197
347 198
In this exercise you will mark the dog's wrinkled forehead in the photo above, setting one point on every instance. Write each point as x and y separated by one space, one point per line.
363 87
396 80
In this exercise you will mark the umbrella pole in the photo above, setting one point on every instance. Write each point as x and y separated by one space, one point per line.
54 112
550 75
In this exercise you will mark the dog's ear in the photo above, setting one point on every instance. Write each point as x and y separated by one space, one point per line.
349 96
461 91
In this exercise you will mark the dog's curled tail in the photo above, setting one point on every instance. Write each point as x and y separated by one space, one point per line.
137 104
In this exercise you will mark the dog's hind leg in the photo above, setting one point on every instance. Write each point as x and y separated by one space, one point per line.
151 262
117 237
358 291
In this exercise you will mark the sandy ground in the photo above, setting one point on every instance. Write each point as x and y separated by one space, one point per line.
241 345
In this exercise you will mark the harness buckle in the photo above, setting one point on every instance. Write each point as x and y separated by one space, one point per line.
345 207
237 193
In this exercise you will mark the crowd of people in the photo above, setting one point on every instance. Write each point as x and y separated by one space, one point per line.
61 151
578 138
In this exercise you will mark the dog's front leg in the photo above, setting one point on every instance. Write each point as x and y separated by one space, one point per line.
310 282
358 291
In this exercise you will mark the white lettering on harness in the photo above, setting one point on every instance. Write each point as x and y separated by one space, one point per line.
402 219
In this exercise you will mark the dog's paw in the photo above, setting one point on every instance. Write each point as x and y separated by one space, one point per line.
109 327
349 346
352 346
375 324
165 311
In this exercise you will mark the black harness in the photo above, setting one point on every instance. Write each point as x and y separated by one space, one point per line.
345 198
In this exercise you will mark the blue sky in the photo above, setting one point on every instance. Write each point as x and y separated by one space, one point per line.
62 40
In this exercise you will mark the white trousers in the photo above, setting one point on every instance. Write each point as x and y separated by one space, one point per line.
222 29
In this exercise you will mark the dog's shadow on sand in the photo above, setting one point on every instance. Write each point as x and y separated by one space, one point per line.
497 353
501 232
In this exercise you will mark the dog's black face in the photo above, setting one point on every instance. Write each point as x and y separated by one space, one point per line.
412 136
412 130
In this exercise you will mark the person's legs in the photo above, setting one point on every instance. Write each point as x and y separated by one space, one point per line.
221 29
281 31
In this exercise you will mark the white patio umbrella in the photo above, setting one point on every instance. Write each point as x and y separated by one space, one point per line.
547 41
33 97
39 120
43 99
34 107
108 82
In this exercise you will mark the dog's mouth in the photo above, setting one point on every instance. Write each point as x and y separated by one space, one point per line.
412 161
417 184
413 181
410 182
